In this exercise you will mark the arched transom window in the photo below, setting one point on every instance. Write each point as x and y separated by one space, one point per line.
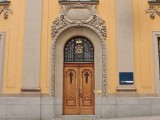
79 49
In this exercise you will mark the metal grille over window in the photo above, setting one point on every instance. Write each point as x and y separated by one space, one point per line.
79 50
79 0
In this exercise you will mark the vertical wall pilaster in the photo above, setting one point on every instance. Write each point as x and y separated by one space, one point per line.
125 36
2 45
32 45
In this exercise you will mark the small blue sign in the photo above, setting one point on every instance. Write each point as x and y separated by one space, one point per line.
126 78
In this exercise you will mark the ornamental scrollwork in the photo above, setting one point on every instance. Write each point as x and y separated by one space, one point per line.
94 20
5 10
152 10
67 19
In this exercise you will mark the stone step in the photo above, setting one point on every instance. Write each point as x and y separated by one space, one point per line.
77 117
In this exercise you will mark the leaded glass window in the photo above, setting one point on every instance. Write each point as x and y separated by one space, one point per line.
79 49
79 0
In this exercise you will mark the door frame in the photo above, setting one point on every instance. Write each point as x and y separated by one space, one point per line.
100 69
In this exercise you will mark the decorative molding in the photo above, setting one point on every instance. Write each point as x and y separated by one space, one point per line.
5 9
2 51
152 10
92 22
64 2
31 90
1 36
155 36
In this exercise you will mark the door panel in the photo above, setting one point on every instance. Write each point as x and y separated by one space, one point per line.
87 94
71 105
78 89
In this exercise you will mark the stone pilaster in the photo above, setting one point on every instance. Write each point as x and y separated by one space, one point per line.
125 36
32 46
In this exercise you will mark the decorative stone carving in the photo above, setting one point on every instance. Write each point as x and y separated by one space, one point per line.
69 19
5 9
152 10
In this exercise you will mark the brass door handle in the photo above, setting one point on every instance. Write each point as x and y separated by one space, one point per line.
80 92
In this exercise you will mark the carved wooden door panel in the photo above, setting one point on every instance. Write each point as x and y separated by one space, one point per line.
87 90
78 97
71 96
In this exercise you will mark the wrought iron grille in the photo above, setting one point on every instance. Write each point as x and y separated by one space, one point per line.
79 49
80 0
153 1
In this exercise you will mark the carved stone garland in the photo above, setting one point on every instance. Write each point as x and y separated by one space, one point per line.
63 23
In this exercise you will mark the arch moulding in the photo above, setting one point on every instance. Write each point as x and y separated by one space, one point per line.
69 18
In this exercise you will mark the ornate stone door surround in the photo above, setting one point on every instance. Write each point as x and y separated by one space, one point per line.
70 18
77 20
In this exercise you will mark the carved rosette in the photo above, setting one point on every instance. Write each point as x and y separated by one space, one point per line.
78 15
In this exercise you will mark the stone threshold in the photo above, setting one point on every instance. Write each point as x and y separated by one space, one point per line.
77 117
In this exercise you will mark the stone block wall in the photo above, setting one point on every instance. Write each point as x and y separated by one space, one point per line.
130 106
43 108
26 108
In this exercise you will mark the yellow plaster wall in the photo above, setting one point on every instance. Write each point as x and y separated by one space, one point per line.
106 10
51 9
13 59
142 27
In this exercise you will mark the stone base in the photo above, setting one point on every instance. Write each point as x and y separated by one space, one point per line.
44 107
26 108
130 106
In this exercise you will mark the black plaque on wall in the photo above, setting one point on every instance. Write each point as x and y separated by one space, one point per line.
126 78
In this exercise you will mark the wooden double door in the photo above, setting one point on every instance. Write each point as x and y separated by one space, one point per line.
78 89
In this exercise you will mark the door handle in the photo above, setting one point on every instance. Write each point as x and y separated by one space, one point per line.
80 92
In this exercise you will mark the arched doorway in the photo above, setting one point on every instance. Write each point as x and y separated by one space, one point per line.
78 82
57 69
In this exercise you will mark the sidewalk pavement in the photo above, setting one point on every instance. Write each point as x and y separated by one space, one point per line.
126 118
136 118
